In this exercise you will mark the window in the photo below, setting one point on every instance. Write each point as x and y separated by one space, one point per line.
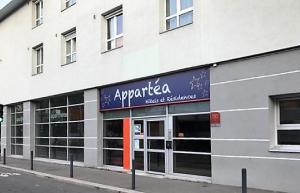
70 47
178 13
288 122
69 3
114 29
59 128
38 59
38 12
16 116
113 142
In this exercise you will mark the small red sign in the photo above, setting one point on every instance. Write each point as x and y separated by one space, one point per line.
215 119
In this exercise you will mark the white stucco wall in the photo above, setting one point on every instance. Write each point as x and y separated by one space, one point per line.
222 29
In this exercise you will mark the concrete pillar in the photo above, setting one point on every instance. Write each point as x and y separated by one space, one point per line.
28 129
5 131
92 133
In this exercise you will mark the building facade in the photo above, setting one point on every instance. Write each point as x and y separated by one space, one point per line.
191 90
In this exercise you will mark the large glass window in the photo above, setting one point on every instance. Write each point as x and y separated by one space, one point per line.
192 144
178 13
59 128
288 129
38 9
17 129
70 47
113 142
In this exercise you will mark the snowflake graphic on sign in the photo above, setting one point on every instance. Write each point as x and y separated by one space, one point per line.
195 83
107 100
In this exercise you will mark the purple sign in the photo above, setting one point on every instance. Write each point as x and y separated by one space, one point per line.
189 86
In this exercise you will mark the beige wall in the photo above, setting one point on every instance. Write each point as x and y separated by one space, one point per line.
222 29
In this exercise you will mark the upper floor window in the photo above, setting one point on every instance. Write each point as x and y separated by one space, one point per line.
114 29
38 12
69 3
178 13
288 121
38 59
70 47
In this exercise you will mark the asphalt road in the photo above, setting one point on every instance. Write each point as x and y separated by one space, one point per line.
12 181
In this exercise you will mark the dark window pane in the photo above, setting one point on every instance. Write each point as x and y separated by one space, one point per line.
13 140
113 143
58 115
76 142
139 160
113 157
58 101
192 126
42 116
42 141
155 128
19 149
192 145
171 7
76 113
156 144
19 140
171 23
116 114
290 111
42 104
78 154
59 130
289 137
42 152
76 99
186 18
13 150
58 153
19 131
19 118
13 119
58 142
42 130
13 131
189 108
192 164
76 129
113 128
149 111
156 162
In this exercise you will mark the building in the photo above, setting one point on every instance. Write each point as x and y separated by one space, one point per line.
193 89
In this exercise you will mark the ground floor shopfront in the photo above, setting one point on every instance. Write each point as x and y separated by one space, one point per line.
165 123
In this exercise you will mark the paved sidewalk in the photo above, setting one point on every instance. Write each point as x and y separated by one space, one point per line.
123 180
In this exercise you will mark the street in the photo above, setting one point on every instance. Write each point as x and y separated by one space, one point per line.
12 181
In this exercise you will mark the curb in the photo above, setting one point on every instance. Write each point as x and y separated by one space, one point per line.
74 181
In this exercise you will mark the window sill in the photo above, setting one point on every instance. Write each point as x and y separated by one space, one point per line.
66 64
111 50
37 26
286 149
36 74
162 32
68 7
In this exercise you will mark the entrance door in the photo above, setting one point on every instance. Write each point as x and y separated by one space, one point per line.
149 145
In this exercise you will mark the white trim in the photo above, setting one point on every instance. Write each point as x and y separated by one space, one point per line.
246 109
90 101
255 77
91 119
257 157
254 140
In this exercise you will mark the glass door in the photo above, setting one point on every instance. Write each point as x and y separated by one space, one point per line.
149 145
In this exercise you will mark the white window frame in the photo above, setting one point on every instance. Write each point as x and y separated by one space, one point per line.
39 62
114 36
178 13
69 3
38 8
71 36
290 148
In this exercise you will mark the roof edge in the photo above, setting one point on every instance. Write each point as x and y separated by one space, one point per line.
10 8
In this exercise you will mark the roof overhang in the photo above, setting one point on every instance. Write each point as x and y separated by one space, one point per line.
10 8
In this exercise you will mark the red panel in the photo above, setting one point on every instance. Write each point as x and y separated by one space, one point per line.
126 143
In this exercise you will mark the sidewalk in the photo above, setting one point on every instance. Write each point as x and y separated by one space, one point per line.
123 180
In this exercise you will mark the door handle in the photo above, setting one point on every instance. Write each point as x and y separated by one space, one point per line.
169 144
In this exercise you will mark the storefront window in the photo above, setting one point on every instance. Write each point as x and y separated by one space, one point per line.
113 142
17 129
59 129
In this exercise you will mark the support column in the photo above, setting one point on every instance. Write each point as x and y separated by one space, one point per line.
5 131
28 129
92 134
